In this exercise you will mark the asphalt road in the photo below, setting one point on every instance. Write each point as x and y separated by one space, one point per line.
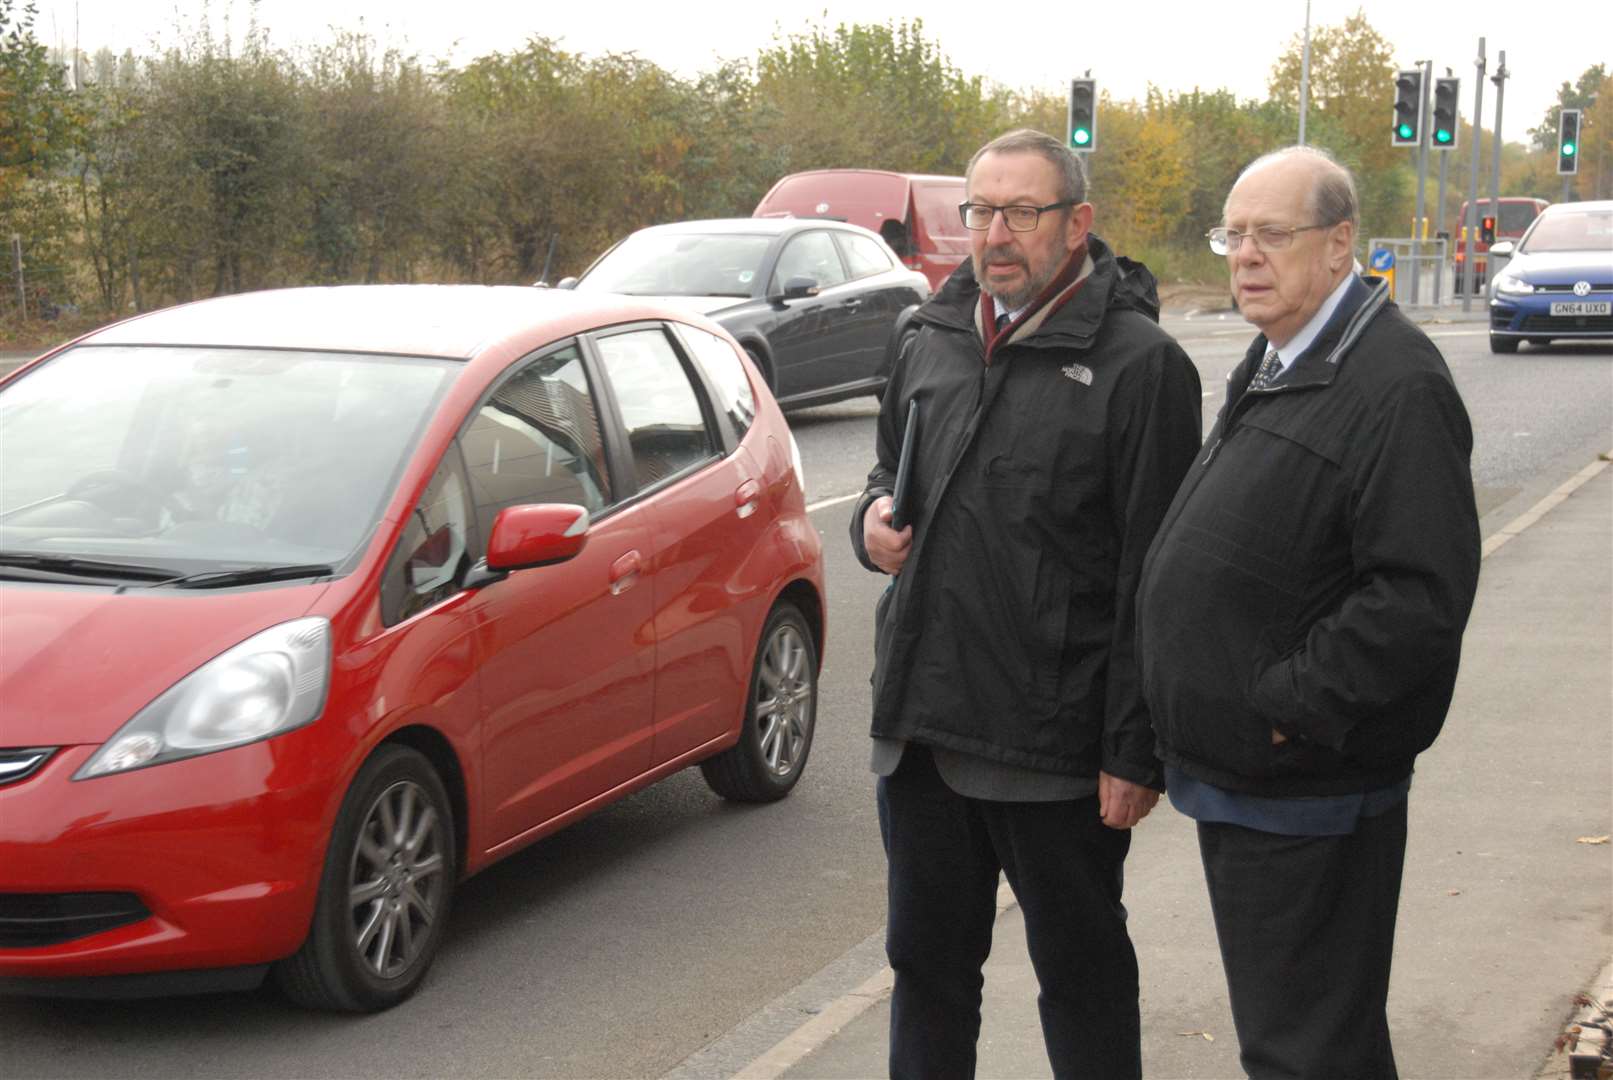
626 943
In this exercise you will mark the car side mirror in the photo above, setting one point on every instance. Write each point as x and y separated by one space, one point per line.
1501 249
797 288
523 537
566 283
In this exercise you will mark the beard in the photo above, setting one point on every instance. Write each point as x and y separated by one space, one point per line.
1034 279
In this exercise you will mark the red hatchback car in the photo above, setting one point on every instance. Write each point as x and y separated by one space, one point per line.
313 602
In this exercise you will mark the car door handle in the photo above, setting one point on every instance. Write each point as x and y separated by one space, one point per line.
853 304
746 497
624 573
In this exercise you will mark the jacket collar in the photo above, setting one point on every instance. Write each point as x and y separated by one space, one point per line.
1074 320
1320 361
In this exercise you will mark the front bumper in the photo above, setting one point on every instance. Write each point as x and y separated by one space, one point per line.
1529 318
207 863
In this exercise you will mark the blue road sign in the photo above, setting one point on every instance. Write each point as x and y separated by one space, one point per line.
1382 259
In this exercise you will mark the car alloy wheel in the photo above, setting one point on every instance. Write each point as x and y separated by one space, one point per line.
385 893
780 715
395 881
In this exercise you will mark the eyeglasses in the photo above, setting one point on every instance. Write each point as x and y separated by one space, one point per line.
978 215
1224 241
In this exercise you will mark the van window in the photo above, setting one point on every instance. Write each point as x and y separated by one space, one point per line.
937 207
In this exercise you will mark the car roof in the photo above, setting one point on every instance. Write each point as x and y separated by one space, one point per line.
762 226
419 320
1592 206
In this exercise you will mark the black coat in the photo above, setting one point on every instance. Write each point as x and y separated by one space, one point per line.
1316 570
1040 480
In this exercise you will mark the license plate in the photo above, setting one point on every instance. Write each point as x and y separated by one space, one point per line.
1582 307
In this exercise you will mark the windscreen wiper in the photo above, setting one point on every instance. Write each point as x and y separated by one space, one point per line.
250 575
74 566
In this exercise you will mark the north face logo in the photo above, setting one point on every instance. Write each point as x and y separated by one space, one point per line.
1079 372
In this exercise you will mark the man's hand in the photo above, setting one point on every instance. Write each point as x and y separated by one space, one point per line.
887 548
1121 803
1277 737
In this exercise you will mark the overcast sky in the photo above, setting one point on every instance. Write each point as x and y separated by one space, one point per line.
1174 45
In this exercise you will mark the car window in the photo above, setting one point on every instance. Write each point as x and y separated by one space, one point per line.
812 255
432 556
537 440
666 428
1572 231
863 254
726 373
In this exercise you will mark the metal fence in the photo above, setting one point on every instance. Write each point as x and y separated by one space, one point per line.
30 290
1418 270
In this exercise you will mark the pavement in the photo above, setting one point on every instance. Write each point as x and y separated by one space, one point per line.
1506 909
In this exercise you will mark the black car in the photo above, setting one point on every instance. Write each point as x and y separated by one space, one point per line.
821 306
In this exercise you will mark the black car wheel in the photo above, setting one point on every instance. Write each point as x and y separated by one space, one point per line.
1503 344
385 892
764 367
780 715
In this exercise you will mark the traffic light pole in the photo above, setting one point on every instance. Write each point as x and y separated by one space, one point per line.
1439 219
1500 80
1422 177
1470 227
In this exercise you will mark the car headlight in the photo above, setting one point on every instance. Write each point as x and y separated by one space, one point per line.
1513 285
272 682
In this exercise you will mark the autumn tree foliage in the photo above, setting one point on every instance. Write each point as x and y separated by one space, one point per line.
222 164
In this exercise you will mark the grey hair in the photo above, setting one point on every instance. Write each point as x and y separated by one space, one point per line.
1332 196
1072 174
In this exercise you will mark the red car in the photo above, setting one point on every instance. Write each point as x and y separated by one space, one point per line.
315 601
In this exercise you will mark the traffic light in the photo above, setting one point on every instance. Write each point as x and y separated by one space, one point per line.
1408 130
1568 142
1083 114
1487 229
1445 91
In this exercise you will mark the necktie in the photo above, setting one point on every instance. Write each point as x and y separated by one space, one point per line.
1002 321
1270 368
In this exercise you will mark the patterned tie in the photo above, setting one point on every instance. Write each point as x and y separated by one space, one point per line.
1002 321
1270 368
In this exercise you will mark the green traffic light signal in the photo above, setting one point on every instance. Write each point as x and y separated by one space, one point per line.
1442 136
1081 136
1406 131
1568 149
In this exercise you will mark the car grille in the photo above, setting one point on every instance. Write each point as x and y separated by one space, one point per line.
30 920
1557 324
1596 286
16 764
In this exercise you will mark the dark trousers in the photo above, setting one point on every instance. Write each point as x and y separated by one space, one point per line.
1307 931
1064 864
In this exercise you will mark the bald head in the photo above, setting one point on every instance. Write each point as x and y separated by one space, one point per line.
1329 187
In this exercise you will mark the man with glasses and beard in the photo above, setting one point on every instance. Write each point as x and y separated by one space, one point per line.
1055 421
1300 621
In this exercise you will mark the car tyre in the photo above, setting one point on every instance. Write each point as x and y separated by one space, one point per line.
780 715
762 366
1503 344
385 892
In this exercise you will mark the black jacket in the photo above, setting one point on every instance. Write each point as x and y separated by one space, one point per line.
1316 570
1039 482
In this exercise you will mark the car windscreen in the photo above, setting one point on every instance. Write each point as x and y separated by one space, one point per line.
1572 231
197 459
680 264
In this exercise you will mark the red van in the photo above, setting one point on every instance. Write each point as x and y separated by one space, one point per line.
917 215
1516 214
